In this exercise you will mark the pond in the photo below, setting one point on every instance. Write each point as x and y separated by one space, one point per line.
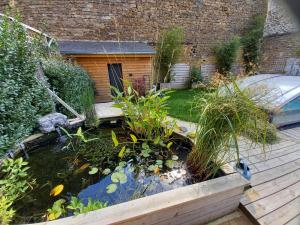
89 170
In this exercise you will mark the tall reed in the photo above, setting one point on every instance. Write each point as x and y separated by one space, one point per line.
224 116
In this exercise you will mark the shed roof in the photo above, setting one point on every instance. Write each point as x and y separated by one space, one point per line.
104 47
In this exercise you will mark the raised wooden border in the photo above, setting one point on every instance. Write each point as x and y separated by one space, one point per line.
195 204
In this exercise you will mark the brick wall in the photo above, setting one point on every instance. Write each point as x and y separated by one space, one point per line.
276 50
206 22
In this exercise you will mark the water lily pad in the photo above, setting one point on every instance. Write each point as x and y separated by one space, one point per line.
159 162
131 169
152 167
169 163
117 177
94 170
106 171
111 188
174 157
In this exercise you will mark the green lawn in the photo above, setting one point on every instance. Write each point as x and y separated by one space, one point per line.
181 104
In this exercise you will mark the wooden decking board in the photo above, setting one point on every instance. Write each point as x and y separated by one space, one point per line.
264 190
283 214
294 221
269 204
267 175
268 148
275 162
272 154
274 197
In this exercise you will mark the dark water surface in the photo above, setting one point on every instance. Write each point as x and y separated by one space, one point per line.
54 164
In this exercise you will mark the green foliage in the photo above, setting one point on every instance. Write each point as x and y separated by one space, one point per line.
13 186
169 47
6 211
95 147
195 75
72 84
23 98
146 116
263 133
224 116
252 42
297 53
75 206
226 54
88 101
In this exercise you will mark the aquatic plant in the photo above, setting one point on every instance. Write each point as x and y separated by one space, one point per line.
97 148
14 185
224 116
75 206
146 116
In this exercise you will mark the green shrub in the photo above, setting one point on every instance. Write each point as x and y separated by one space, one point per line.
14 184
71 83
23 98
226 54
252 42
169 47
195 75
223 117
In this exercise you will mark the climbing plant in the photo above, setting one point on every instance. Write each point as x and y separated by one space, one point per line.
23 98
252 42
226 54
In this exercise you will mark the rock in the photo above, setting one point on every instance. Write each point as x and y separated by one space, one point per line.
48 123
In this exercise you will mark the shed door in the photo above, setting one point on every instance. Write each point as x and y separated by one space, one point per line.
115 77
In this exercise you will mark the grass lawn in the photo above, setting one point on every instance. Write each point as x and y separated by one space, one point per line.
181 104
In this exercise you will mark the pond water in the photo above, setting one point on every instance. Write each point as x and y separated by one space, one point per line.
55 164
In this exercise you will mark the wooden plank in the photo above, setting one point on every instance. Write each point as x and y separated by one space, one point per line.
265 176
273 154
294 221
272 163
164 205
269 188
197 214
235 218
269 204
283 214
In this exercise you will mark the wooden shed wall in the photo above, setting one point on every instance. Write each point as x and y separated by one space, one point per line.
97 66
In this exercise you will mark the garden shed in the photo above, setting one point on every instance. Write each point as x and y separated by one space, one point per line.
112 63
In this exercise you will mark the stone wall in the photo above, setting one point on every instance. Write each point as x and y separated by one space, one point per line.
282 38
277 50
206 22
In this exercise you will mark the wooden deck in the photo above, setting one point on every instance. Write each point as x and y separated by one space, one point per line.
274 196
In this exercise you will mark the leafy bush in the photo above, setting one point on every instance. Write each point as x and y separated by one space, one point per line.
252 42
195 75
168 50
23 98
72 84
224 116
13 186
226 54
